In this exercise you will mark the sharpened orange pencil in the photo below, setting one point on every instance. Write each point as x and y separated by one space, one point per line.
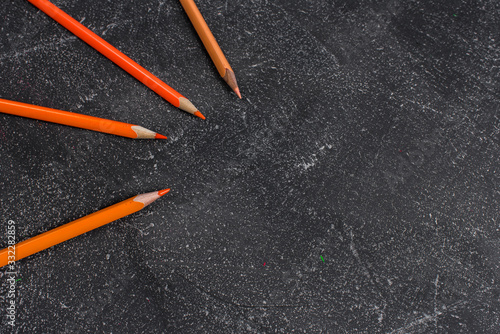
77 120
75 228
113 54
213 48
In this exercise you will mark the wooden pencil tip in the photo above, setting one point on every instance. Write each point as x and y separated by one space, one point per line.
159 136
237 91
199 114
230 78
163 192
186 105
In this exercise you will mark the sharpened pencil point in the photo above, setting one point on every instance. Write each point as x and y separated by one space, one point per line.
230 79
237 91
199 114
186 105
163 192
159 136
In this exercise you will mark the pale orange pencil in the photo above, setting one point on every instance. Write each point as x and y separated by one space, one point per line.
80 226
116 56
77 120
213 48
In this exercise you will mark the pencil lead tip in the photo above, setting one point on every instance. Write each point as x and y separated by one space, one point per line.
199 114
230 79
163 192
159 136
237 91
186 105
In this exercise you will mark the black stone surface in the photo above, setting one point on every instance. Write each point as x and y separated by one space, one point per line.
368 136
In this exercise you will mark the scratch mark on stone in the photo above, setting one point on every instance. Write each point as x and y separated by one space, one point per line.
38 47
323 46
436 284
426 318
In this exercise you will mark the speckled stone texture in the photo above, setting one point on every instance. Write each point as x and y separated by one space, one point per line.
361 167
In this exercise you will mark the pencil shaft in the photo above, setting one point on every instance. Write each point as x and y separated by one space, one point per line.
210 43
77 227
71 119
206 36
71 230
140 73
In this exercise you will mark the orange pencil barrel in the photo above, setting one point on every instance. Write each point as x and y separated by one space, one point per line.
120 59
76 120
70 230
78 227
206 36
211 45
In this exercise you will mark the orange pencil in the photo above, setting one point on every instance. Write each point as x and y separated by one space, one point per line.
75 228
77 120
134 69
208 39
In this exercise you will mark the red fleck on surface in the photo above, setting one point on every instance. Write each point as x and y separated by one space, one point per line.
2 134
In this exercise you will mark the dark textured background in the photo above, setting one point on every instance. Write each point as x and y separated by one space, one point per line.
368 135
